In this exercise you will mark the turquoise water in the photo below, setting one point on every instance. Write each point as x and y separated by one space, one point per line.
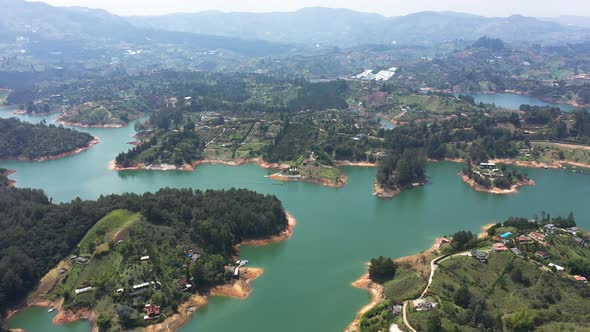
307 281
39 320
513 101
386 124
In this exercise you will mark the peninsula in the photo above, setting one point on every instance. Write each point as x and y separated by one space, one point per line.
142 262
40 142
466 282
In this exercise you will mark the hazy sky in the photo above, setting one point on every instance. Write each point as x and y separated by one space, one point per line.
385 7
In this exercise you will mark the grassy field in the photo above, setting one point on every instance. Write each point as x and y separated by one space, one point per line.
554 151
329 173
106 229
406 285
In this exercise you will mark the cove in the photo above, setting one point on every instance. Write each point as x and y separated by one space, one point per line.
307 281
513 101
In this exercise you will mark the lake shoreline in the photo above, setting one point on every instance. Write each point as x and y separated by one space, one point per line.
90 144
342 180
240 289
24 112
376 289
191 167
384 193
82 125
11 183
243 161
549 100
494 190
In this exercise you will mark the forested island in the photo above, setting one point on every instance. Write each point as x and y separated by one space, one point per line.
104 260
518 275
26 141
487 177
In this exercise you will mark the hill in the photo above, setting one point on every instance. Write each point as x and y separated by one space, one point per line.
127 250
520 275
66 33
26 141
341 27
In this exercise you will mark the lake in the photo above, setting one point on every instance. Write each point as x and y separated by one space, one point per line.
513 101
307 281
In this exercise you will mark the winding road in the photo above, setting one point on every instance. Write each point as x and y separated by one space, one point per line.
433 265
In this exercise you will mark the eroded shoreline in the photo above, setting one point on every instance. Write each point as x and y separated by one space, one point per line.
494 190
240 289
239 162
376 289
11 183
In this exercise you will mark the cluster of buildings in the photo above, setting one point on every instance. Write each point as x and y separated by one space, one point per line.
511 242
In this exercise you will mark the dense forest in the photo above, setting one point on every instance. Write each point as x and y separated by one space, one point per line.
173 148
38 234
33 141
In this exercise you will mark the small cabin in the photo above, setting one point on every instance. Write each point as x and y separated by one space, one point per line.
83 290
557 267
487 165
152 311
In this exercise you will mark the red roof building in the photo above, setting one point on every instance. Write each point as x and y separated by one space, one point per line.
523 239
537 236
580 278
152 311
499 247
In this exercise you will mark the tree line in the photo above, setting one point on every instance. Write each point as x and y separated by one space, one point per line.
31 141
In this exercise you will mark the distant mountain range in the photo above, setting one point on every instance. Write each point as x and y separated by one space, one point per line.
46 27
342 27
43 29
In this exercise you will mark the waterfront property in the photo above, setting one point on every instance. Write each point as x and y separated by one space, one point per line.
152 311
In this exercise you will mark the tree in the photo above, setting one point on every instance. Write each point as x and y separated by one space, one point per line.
382 269
516 276
434 323
463 240
462 296
523 320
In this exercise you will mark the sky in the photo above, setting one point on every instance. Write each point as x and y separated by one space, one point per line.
385 7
